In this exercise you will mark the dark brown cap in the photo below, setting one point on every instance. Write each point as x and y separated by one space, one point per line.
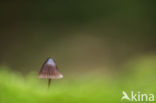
49 70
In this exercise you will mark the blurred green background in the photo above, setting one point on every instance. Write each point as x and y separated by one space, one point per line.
101 46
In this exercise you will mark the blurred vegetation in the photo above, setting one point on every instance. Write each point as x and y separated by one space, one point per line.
79 34
87 88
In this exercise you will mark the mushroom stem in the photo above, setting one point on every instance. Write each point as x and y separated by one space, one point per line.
49 82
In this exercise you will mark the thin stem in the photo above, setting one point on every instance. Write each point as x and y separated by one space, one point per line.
49 82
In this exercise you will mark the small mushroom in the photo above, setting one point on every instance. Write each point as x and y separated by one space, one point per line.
50 71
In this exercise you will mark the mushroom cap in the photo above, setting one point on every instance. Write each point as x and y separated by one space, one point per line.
49 70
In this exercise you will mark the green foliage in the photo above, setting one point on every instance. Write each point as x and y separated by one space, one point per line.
91 88
15 88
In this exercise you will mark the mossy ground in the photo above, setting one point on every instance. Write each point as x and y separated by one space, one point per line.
91 88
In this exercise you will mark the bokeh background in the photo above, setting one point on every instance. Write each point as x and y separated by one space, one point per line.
110 38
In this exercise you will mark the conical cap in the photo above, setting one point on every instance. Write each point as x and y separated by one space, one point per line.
49 70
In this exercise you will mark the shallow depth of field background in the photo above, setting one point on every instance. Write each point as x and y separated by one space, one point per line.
101 47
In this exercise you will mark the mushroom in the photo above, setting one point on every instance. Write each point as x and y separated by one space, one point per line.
50 71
